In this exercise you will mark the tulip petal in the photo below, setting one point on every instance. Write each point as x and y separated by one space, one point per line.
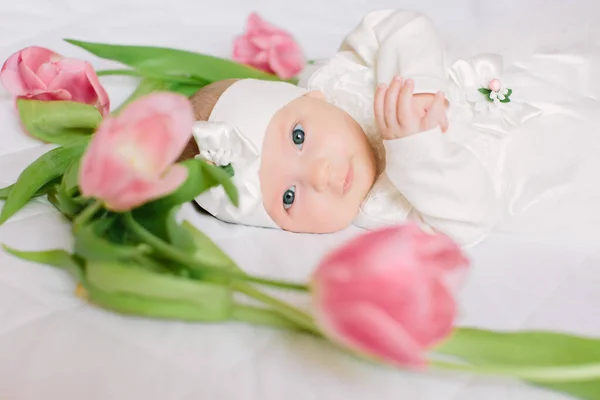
140 191
13 83
261 62
73 78
286 64
103 102
264 42
179 123
128 160
143 143
256 25
32 82
101 173
369 330
244 50
443 254
35 56
268 48
442 314
57 94
389 292
10 78
47 72
19 73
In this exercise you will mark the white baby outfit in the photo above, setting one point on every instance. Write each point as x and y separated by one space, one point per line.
445 181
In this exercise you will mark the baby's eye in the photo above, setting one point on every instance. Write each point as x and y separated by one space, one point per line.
298 136
289 197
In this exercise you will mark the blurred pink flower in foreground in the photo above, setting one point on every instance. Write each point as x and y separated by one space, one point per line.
268 48
39 73
389 293
130 159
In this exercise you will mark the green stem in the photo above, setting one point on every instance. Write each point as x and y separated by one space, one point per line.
299 317
87 213
202 265
553 374
262 316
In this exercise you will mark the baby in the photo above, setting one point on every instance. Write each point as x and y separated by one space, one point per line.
367 137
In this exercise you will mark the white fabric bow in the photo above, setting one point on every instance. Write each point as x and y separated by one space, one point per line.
223 144
498 110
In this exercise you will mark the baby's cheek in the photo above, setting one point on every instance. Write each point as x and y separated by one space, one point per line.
327 213
309 209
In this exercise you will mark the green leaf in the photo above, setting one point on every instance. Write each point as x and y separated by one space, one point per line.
140 306
53 199
69 203
117 232
92 243
173 62
70 180
56 258
68 206
149 85
59 122
146 86
208 247
506 100
46 168
146 74
509 93
584 390
178 236
112 277
201 177
528 349
185 89
186 237
4 192
484 91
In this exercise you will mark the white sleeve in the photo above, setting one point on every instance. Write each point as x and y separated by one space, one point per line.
405 43
448 187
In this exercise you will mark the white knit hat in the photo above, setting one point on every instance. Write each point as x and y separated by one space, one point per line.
234 134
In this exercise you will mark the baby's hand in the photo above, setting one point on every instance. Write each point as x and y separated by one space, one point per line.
399 113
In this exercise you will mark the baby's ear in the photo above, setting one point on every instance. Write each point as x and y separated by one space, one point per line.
316 94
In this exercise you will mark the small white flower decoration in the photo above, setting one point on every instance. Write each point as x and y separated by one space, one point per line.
490 98
486 97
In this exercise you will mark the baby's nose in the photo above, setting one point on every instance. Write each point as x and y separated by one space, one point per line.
319 175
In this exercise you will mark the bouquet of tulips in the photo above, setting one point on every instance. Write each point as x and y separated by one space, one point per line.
386 296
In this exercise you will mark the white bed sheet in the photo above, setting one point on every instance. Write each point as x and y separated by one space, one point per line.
539 269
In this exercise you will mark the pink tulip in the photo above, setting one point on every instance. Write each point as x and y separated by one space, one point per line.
130 158
389 293
268 48
41 74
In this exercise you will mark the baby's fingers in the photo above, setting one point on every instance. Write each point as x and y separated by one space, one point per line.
405 99
436 114
440 100
391 102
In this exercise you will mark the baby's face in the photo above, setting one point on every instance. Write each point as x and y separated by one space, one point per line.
317 167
